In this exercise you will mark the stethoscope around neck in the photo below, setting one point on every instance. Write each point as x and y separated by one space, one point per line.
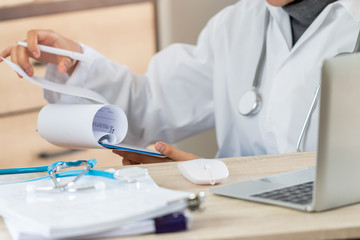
250 102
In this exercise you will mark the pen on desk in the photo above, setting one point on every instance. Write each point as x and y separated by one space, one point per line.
57 51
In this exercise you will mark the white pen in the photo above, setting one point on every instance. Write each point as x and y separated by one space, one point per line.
62 52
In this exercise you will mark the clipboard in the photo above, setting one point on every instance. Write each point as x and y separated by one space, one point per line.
68 215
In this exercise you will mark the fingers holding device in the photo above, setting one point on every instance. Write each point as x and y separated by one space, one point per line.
171 153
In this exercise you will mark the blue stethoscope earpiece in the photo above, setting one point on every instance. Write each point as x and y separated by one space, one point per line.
127 175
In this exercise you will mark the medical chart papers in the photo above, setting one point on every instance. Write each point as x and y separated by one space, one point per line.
56 87
82 125
86 126
25 232
77 125
68 215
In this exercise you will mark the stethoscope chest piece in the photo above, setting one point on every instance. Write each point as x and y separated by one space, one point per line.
249 103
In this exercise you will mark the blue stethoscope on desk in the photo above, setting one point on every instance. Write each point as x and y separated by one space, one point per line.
250 102
53 170
128 175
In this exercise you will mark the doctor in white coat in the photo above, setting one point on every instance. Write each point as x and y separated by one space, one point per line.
188 89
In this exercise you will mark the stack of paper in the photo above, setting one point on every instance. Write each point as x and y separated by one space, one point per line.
24 232
122 208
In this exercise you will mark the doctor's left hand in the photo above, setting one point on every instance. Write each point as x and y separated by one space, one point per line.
172 153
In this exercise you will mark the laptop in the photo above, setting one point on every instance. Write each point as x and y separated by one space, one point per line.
334 181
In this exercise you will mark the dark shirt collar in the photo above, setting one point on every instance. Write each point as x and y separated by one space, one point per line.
302 13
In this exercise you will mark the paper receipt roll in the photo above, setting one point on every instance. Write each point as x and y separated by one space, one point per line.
82 125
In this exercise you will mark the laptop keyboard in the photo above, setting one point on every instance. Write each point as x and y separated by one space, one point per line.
299 194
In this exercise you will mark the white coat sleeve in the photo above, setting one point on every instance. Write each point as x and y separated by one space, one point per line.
173 100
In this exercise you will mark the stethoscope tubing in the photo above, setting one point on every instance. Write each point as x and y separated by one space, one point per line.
307 120
256 84
23 170
71 173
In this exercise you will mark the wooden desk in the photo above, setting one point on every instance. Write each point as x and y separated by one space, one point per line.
226 218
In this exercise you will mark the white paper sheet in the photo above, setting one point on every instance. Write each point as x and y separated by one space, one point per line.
25 232
56 87
71 214
81 125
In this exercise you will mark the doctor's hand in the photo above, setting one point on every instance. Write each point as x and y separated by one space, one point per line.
172 153
20 55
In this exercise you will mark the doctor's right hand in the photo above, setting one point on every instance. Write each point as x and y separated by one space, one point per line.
172 154
20 55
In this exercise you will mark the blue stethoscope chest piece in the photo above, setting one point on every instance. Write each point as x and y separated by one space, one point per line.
250 103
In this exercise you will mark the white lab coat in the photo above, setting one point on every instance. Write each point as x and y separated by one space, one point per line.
188 89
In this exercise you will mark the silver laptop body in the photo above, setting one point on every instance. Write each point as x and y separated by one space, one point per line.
337 171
